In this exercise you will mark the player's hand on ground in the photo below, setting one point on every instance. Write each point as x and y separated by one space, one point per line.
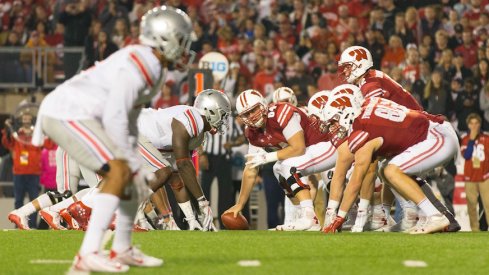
234 209
206 216
334 226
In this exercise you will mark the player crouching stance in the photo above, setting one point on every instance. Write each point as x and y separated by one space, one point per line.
93 117
283 134
411 142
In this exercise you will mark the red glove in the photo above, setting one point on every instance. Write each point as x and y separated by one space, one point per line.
335 226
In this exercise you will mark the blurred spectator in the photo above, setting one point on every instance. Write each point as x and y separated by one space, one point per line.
394 52
104 48
76 19
435 94
26 160
420 84
461 71
441 44
249 59
30 59
484 105
468 49
449 25
410 66
167 97
285 31
467 102
374 43
91 43
481 74
475 150
111 13
400 29
412 22
11 69
445 64
120 33
302 83
473 12
430 23
133 37
456 87
263 81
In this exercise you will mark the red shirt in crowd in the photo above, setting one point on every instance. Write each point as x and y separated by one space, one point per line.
476 168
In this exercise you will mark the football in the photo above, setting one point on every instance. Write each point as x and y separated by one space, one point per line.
232 223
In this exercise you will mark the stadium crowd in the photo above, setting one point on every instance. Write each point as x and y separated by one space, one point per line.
437 50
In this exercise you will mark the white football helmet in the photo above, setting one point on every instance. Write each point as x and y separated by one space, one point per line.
342 107
315 108
252 108
216 108
168 30
354 62
285 94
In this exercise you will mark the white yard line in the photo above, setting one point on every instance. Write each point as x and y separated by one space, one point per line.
414 263
248 263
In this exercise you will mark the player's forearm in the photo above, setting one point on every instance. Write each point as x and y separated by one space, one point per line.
337 185
187 173
290 152
247 183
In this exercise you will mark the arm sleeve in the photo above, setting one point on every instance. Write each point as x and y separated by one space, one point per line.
293 126
356 140
372 89
192 121
119 118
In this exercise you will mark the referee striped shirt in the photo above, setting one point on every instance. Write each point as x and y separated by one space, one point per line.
214 144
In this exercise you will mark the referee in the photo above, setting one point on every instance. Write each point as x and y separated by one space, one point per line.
215 162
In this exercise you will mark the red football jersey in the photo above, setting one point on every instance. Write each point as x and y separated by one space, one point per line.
378 84
271 137
399 126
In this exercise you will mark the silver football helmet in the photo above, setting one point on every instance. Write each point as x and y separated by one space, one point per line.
216 108
170 31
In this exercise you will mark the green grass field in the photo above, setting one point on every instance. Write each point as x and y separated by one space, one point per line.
278 252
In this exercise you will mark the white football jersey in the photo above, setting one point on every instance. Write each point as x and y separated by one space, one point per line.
155 125
112 92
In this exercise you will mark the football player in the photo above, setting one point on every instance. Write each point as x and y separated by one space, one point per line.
284 134
373 131
93 117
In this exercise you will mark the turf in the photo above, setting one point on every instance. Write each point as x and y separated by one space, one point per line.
278 252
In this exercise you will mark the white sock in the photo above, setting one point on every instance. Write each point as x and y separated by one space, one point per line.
342 213
44 201
67 202
290 211
187 210
102 212
29 208
428 208
307 204
124 223
403 203
332 204
363 205
88 199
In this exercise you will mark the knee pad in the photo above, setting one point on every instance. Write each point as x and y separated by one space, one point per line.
176 182
285 186
295 183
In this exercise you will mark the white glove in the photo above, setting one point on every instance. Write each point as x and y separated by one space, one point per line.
206 218
261 158
141 180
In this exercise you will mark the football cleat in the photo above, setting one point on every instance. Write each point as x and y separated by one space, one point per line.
72 224
316 226
433 224
360 221
98 263
453 227
335 226
21 221
52 218
306 221
193 224
135 257
138 228
378 219
81 213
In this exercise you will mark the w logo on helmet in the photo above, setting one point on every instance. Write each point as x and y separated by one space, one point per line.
341 102
319 101
345 91
359 54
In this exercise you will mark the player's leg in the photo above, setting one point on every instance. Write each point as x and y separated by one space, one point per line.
484 195
440 146
160 200
317 158
472 195
87 143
